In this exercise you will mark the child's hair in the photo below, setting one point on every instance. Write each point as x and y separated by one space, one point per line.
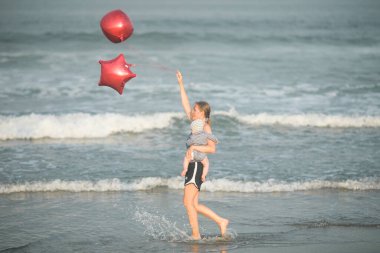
205 107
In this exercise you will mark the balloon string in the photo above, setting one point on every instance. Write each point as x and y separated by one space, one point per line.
151 62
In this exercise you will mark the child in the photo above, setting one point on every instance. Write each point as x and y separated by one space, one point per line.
198 137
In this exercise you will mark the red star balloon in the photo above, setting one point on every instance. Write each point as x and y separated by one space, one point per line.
116 26
115 73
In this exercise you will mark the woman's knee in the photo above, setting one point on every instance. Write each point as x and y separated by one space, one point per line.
196 206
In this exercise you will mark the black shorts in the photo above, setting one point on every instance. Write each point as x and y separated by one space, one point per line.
194 174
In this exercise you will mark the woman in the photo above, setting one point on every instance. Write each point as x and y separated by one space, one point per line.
200 110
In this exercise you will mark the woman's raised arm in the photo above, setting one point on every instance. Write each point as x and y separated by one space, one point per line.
184 98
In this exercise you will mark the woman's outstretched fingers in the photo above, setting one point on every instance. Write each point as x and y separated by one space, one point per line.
179 77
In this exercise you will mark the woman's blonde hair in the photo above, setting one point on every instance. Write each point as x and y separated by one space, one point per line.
205 107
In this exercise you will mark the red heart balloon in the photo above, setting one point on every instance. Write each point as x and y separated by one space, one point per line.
115 73
116 26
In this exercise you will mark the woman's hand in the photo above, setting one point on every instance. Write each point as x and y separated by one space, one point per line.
179 78
210 148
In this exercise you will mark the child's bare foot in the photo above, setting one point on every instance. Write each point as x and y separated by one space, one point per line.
223 226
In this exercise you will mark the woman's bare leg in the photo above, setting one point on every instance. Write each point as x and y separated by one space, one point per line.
222 223
190 192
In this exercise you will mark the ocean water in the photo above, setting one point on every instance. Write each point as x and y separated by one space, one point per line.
294 88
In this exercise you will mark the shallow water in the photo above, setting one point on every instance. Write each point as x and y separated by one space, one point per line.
155 220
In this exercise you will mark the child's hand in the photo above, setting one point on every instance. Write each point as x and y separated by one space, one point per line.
183 173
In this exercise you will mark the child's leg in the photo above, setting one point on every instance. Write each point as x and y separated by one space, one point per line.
185 163
206 165
185 166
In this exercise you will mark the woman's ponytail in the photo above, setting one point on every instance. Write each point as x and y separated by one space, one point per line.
205 107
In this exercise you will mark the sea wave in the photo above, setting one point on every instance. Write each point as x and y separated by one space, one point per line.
213 185
79 125
335 223
85 125
218 34
304 120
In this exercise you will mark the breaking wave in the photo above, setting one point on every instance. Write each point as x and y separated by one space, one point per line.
85 125
79 125
214 185
305 120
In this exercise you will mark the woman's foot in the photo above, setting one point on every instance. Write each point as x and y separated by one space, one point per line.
223 226
195 238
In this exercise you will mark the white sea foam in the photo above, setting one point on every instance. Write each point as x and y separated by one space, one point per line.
85 125
282 186
214 185
304 120
85 186
79 125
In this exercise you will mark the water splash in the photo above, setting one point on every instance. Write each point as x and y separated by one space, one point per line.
160 228
229 236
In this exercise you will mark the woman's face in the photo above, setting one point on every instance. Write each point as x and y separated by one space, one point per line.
196 113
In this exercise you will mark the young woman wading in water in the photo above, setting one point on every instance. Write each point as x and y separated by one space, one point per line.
195 175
